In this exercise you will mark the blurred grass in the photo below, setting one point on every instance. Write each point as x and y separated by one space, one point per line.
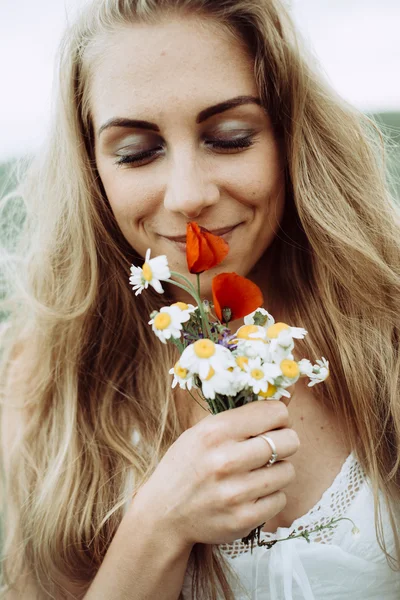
389 123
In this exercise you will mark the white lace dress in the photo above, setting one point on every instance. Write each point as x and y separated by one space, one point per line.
335 565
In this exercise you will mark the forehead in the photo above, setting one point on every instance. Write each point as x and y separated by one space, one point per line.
179 65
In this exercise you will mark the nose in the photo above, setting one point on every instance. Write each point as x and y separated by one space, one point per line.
190 187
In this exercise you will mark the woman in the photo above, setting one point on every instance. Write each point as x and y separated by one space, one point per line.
172 111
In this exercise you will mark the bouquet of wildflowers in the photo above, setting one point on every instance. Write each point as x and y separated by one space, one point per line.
228 369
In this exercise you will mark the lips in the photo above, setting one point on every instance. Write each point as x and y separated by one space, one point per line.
182 238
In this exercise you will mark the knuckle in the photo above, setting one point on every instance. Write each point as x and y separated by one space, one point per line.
221 464
231 497
209 433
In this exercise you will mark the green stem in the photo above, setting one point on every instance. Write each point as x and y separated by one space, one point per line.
197 401
231 402
198 285
305 533
214 407
199 303
183 287
178 344
334 521
191 290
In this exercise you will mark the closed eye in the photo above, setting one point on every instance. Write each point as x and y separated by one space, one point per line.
224 146
139 159
233 144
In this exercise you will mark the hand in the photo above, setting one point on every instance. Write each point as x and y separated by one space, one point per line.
212 486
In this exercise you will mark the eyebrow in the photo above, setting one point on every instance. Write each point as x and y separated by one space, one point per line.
205 114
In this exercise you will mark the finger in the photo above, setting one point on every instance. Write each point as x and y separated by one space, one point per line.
267 507
265 481
252 419
257 451
262 482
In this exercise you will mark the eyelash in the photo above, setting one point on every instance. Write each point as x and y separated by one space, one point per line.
245 142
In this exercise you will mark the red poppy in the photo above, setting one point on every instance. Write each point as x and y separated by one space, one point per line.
204 250
236 294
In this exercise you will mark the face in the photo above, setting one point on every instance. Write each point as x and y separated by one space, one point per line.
180 136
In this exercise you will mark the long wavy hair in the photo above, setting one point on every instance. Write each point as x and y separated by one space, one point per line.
90 370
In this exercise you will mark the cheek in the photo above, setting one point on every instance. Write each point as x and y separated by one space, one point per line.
129 197
258 180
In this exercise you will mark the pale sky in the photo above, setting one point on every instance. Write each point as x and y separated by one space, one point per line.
356 41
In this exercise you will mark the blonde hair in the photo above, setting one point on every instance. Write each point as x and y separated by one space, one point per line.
95 371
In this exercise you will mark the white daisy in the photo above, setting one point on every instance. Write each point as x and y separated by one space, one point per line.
153 271
260 374
290 371
253 349
203 354
274 393
281 347
220 382
239 372
259 315
182 377
241 361
252 341
168 323
276 329
252 333
320 372
186 309
305 367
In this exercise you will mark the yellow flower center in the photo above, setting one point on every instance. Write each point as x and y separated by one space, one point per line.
181 305
147 272
204 348
270 391
241 361
290 368
211 373
274 330
180 371
257 373
244 332
161 321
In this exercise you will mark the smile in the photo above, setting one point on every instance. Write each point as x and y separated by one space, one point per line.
220 232
180 241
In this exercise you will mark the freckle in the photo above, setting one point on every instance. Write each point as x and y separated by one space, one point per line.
321 427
